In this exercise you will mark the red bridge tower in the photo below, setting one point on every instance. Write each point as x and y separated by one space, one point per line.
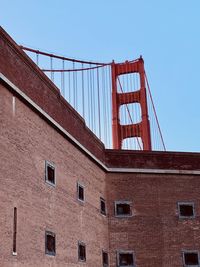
141 129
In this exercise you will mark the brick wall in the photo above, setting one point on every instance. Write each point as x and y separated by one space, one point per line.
153 159
26 142
154 233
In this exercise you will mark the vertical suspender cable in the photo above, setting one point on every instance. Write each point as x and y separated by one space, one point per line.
99 109
88 96
52 74
63 79
104 120
106 89
37 59
69 85
76 96
93 102
83 92
73 93
109 90
91 114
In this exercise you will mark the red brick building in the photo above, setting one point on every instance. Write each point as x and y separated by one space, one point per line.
67 201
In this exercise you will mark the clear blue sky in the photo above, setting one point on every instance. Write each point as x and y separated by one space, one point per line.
166 33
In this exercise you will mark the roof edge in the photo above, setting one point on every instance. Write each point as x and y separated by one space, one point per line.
108 165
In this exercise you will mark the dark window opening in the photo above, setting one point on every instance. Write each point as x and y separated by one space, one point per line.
186 210
103 206
81 252
15 232
122 209
80 192
126 259
50 243
191 259
105 259
50 173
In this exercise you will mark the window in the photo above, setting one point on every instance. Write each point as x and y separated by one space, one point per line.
50 243
125 258
80 192
190 258
123 208
186 210
103 206
81 251
15 232
105 259
49 173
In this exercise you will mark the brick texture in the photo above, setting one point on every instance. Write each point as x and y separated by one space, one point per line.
154 233
26 142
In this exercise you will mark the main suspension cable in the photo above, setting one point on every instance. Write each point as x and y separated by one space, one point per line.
159 129
61 57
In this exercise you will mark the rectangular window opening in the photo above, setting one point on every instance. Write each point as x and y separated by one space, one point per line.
105 258
123 208
49 173
103 206
15 232
191 258
80 192
186 210
125 259
81 251
50 243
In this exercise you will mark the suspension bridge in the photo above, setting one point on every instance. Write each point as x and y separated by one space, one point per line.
114 98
